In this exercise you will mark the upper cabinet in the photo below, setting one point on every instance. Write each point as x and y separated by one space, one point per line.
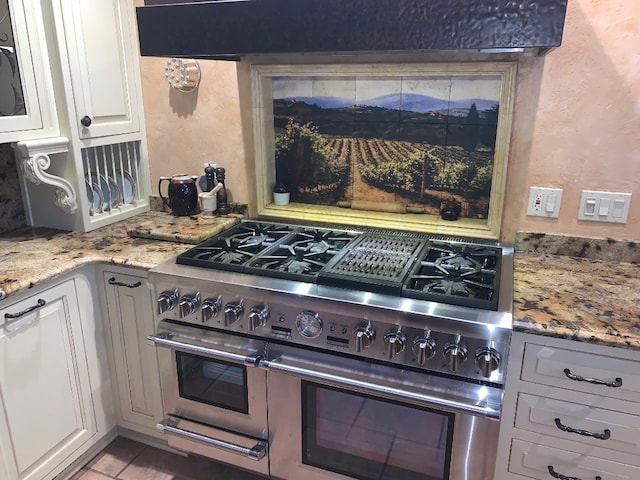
27 106
95 170
102 61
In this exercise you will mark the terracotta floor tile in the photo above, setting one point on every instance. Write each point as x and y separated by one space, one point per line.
116 456
155 464
90 475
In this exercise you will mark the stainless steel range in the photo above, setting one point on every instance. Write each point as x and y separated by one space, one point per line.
296 350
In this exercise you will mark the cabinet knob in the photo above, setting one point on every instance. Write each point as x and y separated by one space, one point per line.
86 121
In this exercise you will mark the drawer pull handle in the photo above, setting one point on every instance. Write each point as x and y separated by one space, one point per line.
615 384
555 474
41 303
600 436
113 281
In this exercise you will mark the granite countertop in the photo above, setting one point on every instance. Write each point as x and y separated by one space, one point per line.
32 256
578 289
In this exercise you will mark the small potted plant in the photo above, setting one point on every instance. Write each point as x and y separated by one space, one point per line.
281 194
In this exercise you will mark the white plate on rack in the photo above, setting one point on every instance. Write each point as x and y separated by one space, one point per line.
111 195
127 186
94 194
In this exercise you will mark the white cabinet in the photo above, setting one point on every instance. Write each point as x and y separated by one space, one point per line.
27 103
571 410
127 305
97 172
53 387
102 60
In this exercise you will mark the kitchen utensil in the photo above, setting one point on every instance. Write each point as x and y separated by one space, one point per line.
380 206
182 194
209 201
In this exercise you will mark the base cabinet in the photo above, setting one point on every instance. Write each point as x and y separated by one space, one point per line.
571 411
52 394
127 311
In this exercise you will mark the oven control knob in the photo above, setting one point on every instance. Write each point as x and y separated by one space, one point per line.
488 360
166 301
394 342
424 348
455 353
364 335
188 304
211 308
232 312
258 316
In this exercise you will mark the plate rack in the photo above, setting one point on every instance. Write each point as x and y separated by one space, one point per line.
112 175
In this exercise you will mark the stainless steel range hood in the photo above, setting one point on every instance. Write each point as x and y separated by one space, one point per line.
235 28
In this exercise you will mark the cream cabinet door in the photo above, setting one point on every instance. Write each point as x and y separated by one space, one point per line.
102 51
46 409
134 362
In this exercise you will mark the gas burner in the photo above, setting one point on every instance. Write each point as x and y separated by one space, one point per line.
457 274
300 256
258 233
233 248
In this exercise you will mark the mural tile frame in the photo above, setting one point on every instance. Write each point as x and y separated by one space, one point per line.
469 153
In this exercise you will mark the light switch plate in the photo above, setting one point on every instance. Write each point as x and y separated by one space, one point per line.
610 207
544 202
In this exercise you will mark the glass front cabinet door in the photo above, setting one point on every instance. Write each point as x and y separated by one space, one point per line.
27 107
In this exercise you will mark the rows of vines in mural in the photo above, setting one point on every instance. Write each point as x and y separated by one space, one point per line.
327 154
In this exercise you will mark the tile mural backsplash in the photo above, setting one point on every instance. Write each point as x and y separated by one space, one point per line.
425 142
12 214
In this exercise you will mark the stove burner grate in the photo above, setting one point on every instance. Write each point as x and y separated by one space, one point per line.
465 275
233 248
300 256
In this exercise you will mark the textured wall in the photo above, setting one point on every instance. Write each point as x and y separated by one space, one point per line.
577 122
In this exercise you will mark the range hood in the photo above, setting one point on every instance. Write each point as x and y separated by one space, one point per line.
233 29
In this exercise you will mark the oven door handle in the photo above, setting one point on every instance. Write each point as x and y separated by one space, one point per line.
454 406
166 339
257 452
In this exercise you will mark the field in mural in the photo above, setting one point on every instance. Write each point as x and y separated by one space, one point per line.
333 148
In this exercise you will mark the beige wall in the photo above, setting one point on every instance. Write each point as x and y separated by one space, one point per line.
577 122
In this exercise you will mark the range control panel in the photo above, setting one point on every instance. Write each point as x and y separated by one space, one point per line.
358 330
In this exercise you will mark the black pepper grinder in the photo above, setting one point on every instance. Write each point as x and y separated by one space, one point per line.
223 205
209 172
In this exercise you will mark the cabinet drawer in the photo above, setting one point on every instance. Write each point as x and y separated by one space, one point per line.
535 461
554 366
538 414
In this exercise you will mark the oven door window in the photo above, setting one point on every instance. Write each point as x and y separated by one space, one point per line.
213 382
371 438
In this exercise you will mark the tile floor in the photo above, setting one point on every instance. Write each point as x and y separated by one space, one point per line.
125 459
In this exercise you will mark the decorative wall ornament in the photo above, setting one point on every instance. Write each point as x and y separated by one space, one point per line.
34 160
183 74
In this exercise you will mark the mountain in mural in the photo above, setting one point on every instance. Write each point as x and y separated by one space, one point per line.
407 102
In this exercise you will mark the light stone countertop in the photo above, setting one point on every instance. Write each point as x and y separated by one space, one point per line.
564 287
29 257
579 289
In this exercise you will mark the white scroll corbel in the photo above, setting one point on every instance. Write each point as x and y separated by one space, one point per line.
34 160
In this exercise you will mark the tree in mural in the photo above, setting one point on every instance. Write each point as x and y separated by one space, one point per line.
307 162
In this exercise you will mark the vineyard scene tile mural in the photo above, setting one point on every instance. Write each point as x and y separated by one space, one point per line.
420 142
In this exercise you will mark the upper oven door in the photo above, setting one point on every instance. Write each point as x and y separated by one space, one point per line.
212 378
335 418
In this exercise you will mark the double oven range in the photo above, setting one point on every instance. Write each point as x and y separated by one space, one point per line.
300 351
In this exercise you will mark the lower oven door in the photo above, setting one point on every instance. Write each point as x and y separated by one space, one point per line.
214 394
336 418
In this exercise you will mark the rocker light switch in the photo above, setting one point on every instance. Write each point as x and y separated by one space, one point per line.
604 206
590 206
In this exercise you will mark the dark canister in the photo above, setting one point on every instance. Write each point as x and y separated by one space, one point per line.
182 194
